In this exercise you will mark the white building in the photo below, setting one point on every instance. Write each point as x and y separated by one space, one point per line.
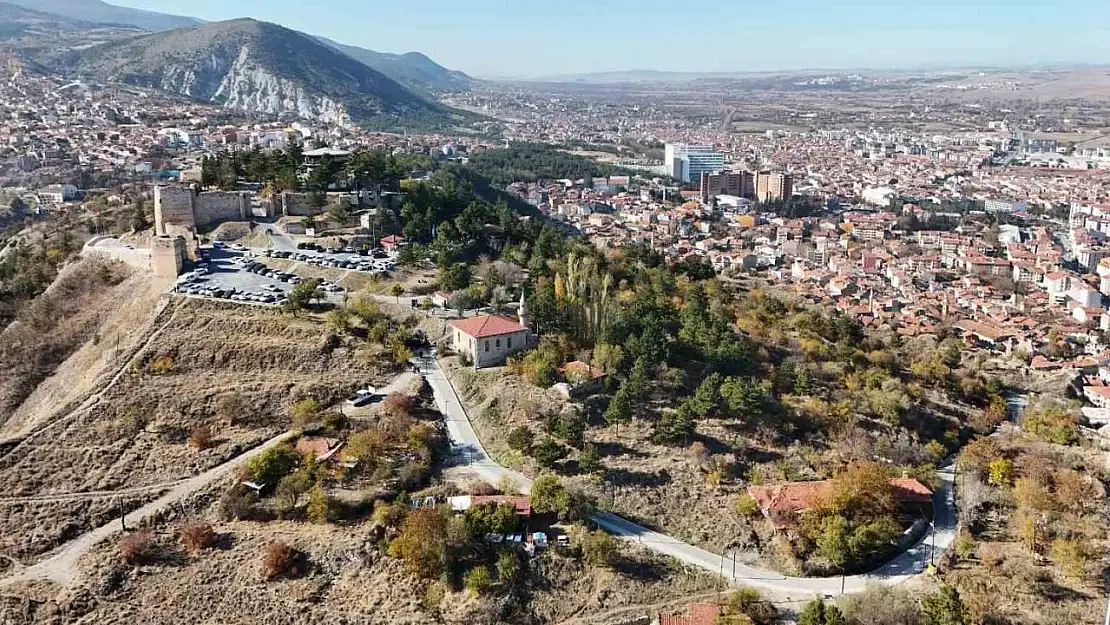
489 340
687 162
879 196
1004 206
57 193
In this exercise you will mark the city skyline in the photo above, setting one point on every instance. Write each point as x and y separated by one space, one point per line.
577 37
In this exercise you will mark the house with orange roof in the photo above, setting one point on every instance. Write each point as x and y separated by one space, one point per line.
784 504
489 340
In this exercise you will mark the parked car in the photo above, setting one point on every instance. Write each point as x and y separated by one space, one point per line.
362 397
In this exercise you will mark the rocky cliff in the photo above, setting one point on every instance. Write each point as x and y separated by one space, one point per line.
256 67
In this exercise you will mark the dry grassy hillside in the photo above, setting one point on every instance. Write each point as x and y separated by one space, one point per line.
347 579
231 368
55 325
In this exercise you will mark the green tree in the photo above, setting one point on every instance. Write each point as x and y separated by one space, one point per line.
455 277
944 607
813 613
599 548
271 465
1001 472
833 541
397 291
549 453
833 615
589 461
675 426
608 358
303 294
339 319
619 409
548 495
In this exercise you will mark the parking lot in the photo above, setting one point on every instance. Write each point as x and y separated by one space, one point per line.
369 261
230 272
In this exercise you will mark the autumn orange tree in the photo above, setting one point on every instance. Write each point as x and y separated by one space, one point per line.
422 543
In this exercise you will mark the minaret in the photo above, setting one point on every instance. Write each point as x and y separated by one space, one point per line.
522 310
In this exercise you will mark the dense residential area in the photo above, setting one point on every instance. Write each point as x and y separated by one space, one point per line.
293 331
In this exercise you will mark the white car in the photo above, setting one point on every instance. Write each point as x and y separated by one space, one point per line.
362 397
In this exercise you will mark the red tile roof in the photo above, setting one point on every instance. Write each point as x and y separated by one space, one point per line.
519 503
794 497
487 325
323 448
698 614
909 490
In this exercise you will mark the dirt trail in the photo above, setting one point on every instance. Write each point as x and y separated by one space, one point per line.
90 495
61 566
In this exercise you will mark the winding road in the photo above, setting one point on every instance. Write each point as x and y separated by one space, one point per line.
909 564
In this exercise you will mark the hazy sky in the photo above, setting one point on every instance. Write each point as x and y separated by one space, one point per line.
530 38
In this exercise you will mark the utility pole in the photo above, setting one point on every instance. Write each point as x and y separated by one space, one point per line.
932 541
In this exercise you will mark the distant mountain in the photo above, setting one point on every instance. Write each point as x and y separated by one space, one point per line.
96 11
412 69
255 67
644 75
17 21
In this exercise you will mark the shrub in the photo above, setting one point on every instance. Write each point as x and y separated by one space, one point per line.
1052 425
271 465
138 548
520 439
232 409
197 536
420 437
750 603
389 514
746 505
279 559
478 579
200 438
1071 555
305 412
365 446
320 506
397 406
599 549
882 605
944 607
509 567
239 503
412 475
161 365
335 421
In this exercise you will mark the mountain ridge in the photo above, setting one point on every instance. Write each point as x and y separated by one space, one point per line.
99 12
255 67
413 69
